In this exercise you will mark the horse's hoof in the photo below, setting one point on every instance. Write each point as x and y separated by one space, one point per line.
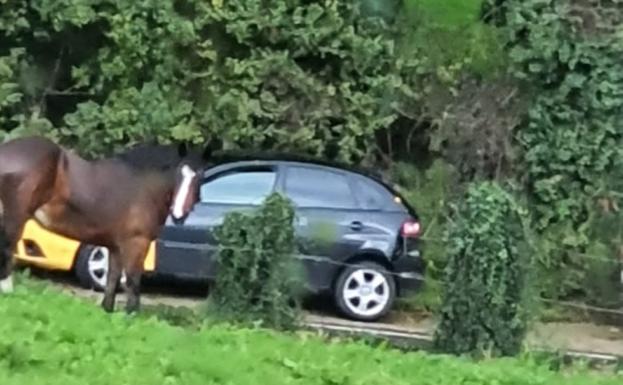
132 310
6 285
108 308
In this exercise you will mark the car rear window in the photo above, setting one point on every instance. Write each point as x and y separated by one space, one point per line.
311 187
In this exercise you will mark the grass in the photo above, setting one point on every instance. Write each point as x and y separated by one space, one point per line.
50 338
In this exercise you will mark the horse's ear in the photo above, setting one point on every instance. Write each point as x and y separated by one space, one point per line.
209 149
182 150
207 153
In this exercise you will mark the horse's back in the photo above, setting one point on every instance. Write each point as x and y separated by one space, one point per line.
29 142
27 154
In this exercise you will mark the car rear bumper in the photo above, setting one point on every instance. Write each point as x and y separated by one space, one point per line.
409 272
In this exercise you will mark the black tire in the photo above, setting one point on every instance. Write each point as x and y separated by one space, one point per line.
82 270
369 270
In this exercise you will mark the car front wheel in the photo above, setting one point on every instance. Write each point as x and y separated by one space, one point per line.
365 291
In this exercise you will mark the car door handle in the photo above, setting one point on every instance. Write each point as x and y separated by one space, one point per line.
356 226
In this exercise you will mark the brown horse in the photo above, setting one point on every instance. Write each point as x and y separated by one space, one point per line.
103 202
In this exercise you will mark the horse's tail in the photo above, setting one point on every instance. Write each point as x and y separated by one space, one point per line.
6 256
4 237
5 250
61 177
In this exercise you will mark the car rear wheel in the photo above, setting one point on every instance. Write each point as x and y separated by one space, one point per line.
92 267
365 291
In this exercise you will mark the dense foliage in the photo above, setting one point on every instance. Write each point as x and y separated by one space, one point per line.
49 338
484 291
438 92
293 75
430 190
257 278
568 54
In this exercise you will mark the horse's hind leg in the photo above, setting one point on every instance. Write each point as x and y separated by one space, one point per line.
112 281
134 252
6 281
11 226
133 289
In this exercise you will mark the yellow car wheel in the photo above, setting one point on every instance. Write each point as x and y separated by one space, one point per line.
91 267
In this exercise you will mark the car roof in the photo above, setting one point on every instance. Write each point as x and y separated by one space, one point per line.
228 157
271 156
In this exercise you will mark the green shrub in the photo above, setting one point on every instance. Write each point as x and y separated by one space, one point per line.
484 294
603 255
256 279
428 191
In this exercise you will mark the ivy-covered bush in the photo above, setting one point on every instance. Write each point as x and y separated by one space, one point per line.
258 279
483 301
568 55
604 255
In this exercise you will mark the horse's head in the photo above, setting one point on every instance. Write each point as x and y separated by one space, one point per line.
179 163
185 193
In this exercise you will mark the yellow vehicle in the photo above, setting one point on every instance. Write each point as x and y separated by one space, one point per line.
44 249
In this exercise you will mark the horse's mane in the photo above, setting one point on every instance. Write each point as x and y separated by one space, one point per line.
148 158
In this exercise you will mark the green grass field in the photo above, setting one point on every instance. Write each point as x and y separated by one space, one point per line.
50 338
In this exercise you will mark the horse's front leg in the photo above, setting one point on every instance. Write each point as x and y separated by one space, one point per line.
6 261
12 219
134 253
112 281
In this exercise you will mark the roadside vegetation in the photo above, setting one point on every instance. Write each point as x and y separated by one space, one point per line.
439 95
50 338
485 291
258 280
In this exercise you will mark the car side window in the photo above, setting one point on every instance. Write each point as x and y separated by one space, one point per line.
309 187
238 187
371 195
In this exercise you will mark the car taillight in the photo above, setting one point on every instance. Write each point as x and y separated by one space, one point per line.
410 229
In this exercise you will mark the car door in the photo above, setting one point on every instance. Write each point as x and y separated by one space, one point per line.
189 249
328 220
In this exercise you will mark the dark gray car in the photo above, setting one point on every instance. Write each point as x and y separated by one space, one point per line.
371 257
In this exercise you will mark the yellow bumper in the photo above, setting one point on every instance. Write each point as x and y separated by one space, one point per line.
44 249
